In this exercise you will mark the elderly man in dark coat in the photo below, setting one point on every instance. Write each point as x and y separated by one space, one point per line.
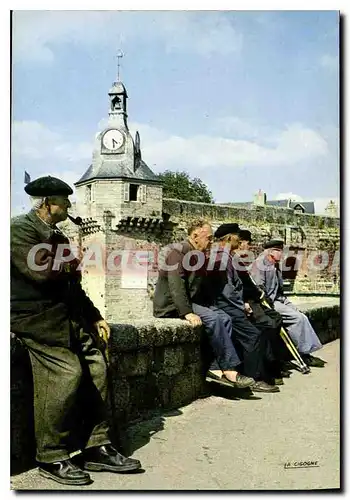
179 294
61 328
262 313
266 273
224 290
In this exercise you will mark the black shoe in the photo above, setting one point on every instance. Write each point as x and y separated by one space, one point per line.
262 386
106 458
285 373
64 472
313 361
279 381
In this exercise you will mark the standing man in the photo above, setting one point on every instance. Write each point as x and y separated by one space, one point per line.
178 293
266 273
61 329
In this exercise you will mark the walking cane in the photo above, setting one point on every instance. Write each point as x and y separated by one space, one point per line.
301 365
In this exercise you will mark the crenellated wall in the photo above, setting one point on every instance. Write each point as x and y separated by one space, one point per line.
122 295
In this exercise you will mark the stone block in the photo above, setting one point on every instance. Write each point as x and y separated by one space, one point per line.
173 360
134 363
187 387
121 392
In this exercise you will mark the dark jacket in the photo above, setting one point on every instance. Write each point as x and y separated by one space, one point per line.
222 284
44 303
251 292
177 289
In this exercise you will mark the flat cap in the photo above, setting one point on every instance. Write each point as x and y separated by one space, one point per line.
48 186
274 244
225 229
245 235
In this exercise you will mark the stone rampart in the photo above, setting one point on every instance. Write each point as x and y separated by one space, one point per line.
154 365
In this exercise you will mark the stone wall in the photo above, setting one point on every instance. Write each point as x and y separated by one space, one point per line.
154 365
305 235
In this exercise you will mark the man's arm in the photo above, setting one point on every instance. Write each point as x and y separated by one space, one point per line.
177 284
25 258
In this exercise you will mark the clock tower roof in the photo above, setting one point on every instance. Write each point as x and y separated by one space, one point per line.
116 154
118 169
117 88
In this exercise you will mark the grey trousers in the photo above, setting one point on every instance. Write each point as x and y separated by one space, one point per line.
298 326
60 377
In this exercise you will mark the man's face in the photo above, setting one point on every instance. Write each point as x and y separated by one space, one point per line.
276 254
244 245
234 242
203 237
58 207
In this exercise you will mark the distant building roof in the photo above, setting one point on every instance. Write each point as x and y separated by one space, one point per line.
308 206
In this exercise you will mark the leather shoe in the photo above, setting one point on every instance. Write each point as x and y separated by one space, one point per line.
313 361
262 386
242 381
107 458
64 472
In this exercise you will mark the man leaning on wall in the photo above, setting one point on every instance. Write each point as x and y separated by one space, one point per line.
178 293
62 331
267 274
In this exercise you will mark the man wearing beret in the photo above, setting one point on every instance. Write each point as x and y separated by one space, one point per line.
225 291
179 294
266 273
62 331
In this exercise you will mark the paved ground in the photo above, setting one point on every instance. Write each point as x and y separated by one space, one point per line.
224 442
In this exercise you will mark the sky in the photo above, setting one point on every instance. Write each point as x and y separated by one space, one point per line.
243 100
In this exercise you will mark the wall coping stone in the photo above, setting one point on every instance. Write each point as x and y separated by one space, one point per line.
156 332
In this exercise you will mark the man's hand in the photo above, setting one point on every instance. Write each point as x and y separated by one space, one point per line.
103 330
247 309
193 319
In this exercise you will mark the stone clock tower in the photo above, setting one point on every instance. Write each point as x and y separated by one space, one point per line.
118 181
120 201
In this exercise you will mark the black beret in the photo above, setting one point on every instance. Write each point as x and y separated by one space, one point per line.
274 244
225 229
48 186
245 235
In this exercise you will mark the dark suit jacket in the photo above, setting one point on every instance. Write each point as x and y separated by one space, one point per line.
177 289
44 303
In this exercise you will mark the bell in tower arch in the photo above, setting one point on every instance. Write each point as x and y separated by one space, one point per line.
116 103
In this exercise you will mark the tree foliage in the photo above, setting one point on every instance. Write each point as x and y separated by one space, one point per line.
179 185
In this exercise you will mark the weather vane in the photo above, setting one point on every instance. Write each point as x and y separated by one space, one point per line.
119 56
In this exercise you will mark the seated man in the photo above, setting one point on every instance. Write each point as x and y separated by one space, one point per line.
178 294
223 289
266 273
264 317
60 327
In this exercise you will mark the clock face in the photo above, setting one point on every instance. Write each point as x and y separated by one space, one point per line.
113 139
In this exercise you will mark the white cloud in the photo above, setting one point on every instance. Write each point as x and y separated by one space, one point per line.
34 141
36 33
42 151
329 62
294 144
287 196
